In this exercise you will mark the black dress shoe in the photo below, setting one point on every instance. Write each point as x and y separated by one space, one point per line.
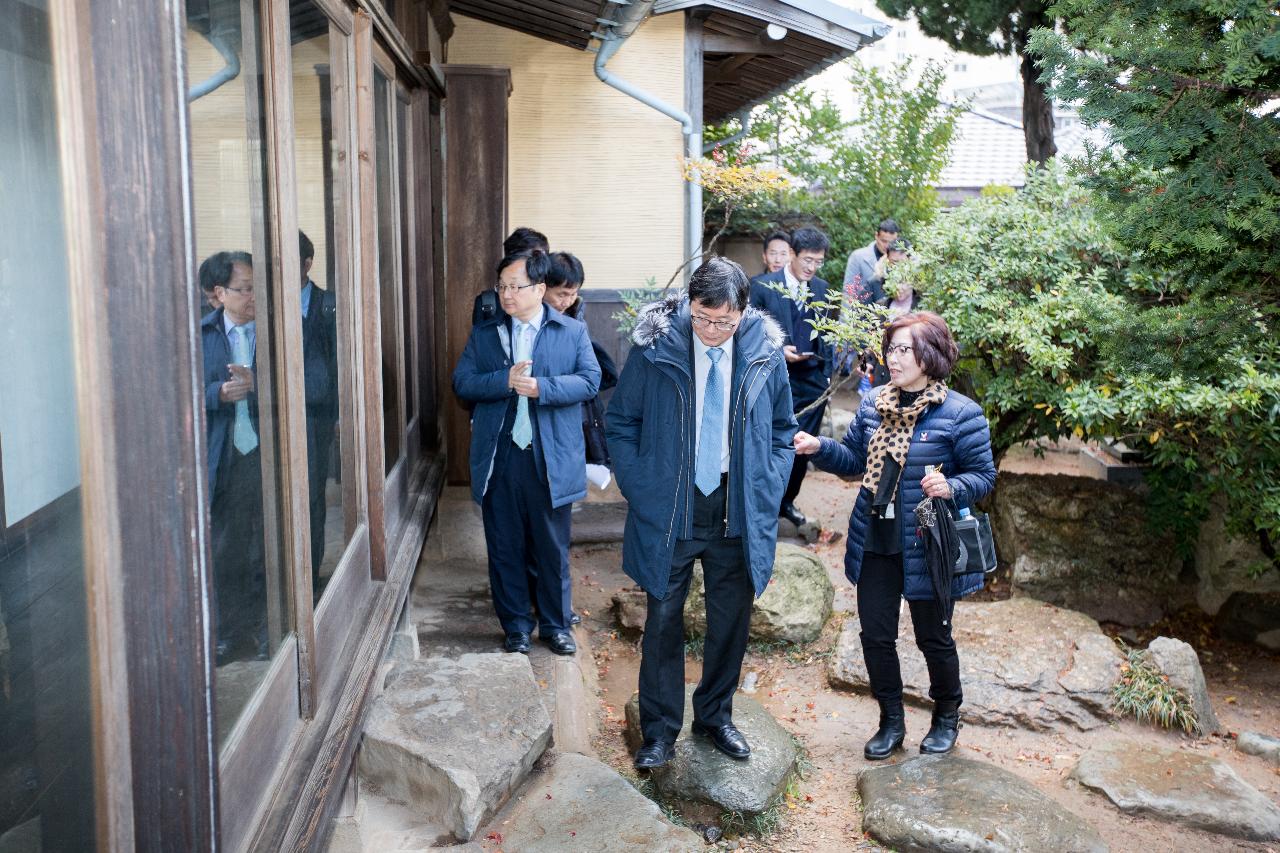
517 641
892 731
727 739
944 731
654 754
561 642
793 515
574 618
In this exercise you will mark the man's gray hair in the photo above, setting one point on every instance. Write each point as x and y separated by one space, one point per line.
720 282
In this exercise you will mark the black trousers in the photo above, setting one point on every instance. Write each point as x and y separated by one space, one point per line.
812 424
879 595
236 533
729 593
521 529
320 431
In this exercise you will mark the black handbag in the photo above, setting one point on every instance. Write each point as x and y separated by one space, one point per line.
977 545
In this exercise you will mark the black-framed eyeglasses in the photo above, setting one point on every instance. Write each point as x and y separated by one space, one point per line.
512 288
720 325
240 290
897 349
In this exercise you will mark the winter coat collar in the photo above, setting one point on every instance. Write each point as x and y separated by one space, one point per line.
665 328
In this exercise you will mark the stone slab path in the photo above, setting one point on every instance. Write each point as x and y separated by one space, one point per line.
1181 787
945 803
1023 663
702 774
580 804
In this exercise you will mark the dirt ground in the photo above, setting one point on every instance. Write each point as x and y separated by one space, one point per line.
1244 683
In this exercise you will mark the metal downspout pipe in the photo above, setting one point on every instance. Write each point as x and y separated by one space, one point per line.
612 33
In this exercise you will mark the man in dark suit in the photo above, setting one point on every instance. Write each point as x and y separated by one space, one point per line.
809 358
229 342
528 374
320 381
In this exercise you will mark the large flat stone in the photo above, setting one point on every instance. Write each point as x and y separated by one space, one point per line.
702 774
794 607
1263 746
1022 663
454 738
945 803
580 804
1186 788
598 523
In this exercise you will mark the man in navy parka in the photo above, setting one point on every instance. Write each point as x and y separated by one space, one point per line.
699 429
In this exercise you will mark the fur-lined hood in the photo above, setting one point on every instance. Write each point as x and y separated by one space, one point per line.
758 334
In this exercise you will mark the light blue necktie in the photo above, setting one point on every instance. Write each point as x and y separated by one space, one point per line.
244 437
522 430
707 477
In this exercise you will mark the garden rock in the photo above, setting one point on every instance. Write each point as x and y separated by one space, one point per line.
453 738
1264 746
1186 788
1179 662
1023 663
1084 544
700 773
580 804
630 606
1224 567
945 803
794 607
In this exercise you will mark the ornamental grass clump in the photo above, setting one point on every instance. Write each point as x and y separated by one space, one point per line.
1144 692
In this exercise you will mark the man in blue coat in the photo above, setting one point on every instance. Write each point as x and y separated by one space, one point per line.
699 430
229 344
809 358
528 372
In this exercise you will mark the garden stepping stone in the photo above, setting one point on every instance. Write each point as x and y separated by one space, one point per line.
1188 788
945 803
580 804
1024 663
793 608
453 738
700 773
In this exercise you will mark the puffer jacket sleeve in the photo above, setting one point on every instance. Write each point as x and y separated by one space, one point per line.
782 452
576 387
847 457
622 422
477 386
973 473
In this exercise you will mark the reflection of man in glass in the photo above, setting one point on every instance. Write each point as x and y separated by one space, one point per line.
320 379
229 339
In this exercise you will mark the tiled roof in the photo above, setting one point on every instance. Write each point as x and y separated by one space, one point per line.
991 149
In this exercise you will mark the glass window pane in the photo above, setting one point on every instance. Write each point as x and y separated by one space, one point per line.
317 149
240 364
392 422
406 289
46 748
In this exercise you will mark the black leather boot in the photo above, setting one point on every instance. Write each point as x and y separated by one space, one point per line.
944 730
892 731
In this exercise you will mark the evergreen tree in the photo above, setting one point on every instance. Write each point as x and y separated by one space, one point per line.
984 27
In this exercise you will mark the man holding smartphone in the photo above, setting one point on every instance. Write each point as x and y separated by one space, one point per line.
809 358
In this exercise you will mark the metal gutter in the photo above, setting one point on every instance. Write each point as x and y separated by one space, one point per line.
618 20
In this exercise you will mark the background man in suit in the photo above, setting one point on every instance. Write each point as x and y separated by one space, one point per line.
229 342
861 270
698 429
809 358
320 382
528 372
776 252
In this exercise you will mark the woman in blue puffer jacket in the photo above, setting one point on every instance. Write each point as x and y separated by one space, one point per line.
912 424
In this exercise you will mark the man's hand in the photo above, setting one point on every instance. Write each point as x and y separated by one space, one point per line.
239 386
526 386
935 485
790 354
805 444
518 371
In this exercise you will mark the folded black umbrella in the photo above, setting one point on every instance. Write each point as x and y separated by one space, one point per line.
941 549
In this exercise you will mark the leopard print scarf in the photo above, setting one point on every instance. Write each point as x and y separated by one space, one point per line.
893 436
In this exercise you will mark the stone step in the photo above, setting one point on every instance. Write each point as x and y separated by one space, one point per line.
381 825
941 802
454 738
1187 788
598 522
581 804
